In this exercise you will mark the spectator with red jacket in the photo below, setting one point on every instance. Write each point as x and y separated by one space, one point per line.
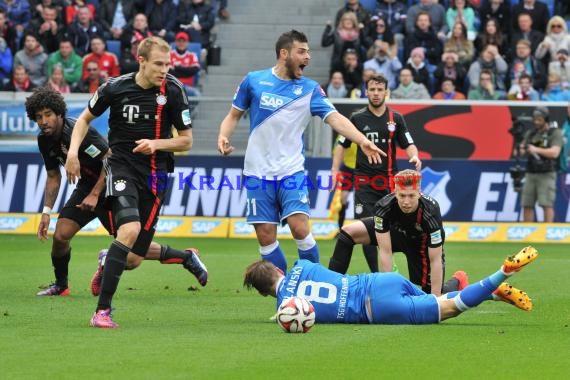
108 62
185 64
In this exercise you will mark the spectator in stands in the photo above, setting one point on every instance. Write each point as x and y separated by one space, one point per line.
554 91
115 18
379 30
492 34
129 61
196 19
336 88
351 69
485 89
185 64
70 61
460 11
561 67
49 32
20 81
394 13
436 14
353 6
38 6
417 65
8 31
450 68
557 38
57 81
346 35
408 89
360 91
6 61
137 31
523 89
93 81
33 58
107 62
82 30
524 62
460 45
19 14
223 12
526 32
537 10
491 60
72 10
499 10
448 91
160 16
424 36
383 63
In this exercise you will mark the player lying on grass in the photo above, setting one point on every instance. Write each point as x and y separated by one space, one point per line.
47 107
383 298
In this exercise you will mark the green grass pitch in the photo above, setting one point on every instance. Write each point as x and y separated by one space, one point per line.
223 331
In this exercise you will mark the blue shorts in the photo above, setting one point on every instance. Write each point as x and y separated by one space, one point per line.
394 301
273 201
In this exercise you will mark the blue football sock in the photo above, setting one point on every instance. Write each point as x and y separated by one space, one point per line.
478 292
308 249
274 254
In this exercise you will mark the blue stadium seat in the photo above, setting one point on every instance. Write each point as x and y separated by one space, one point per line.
114 46
370 5
550 5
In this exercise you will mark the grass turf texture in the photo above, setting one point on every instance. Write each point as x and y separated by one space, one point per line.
222 331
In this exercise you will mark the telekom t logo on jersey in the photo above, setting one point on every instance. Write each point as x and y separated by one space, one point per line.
372 136
130 112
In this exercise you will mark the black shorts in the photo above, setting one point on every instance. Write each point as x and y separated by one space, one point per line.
81 217
143 194
365 198
416 251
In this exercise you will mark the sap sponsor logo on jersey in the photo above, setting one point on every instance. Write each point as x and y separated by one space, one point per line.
481 232
272 102
519 232
243 228
168 225
450 229
557 233
12 223
204 226
324 228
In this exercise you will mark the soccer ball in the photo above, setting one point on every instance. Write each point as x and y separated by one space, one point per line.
296 315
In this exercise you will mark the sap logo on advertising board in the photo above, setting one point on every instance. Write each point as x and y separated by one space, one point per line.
204 226
481 232
324 229
12 223
168 225
242 228
519 233
557 233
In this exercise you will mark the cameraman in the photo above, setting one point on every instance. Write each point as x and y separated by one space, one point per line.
542 147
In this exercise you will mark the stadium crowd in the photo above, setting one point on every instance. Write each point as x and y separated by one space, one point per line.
75 45
452 49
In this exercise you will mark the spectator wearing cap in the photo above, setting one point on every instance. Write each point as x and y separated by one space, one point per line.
523 90
82 30
448 91
136 32
417 65
541 145
554 91
557 38
524 62
184 63
450 68
108 62
385 64
161 20
561 67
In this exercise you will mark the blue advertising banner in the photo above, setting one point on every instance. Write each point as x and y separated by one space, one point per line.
480 191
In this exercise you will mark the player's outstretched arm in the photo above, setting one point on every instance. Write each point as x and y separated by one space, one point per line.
227 128
72 166
385 248
344 127
53 181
